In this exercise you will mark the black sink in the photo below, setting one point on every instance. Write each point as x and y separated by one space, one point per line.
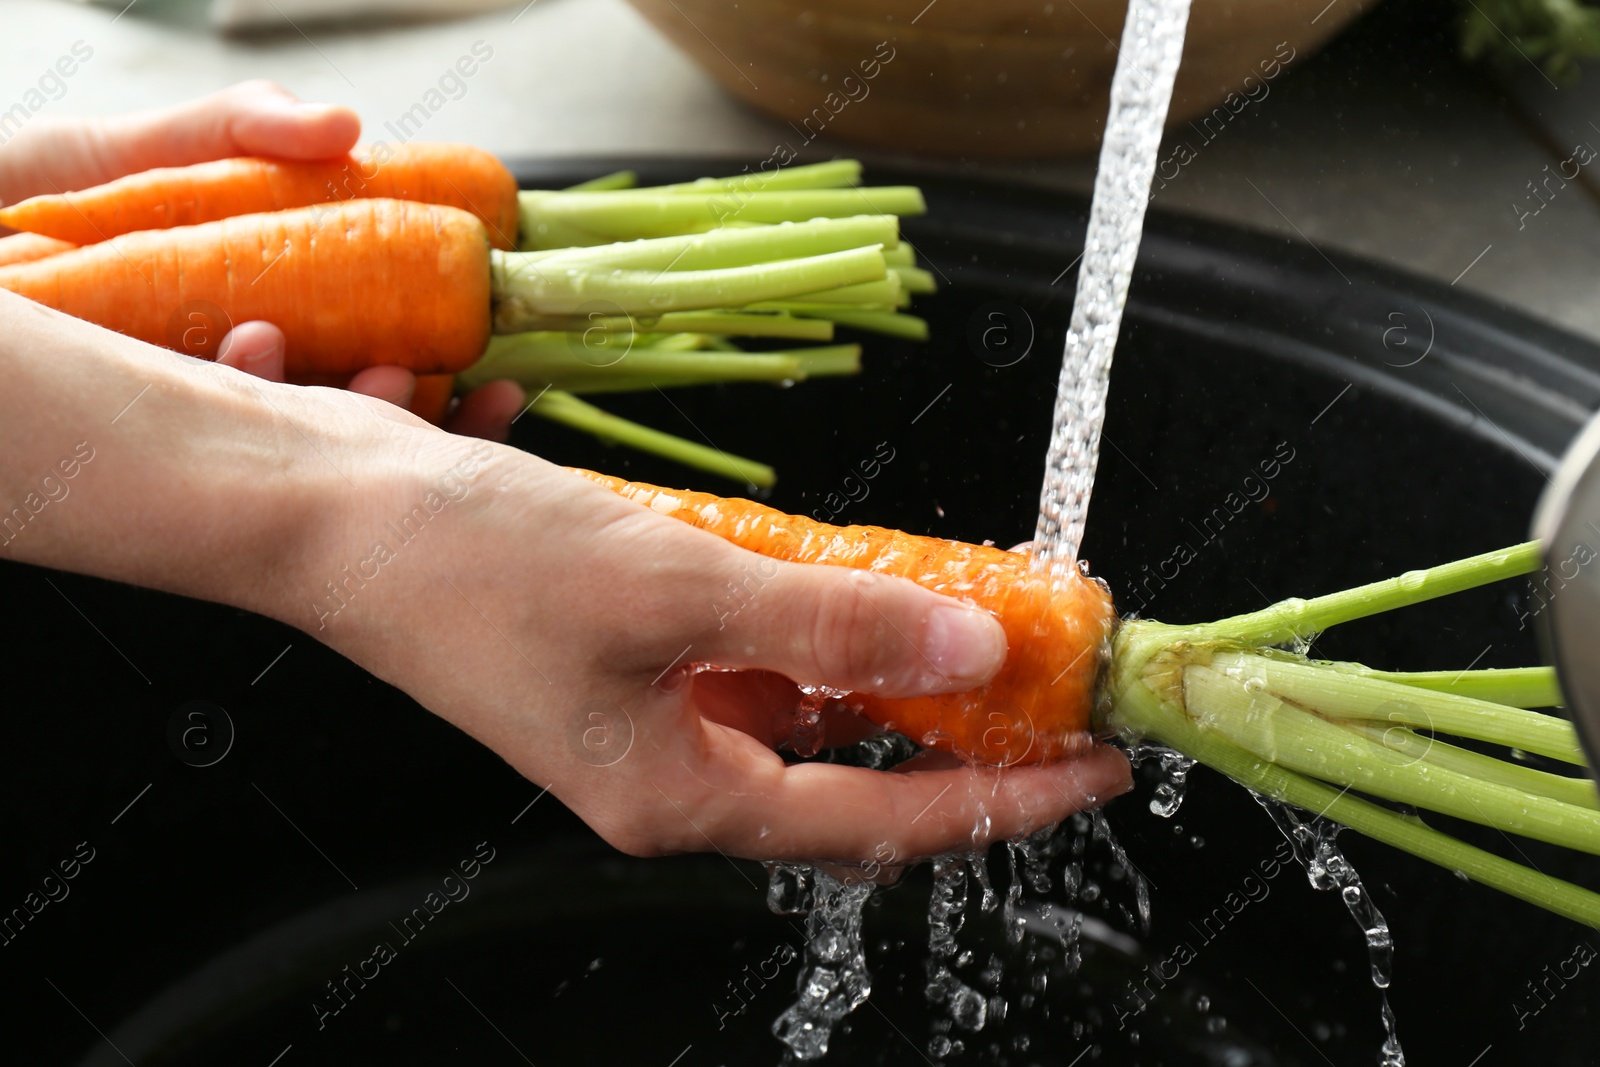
1411 423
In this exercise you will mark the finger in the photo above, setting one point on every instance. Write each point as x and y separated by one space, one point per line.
394 384
769 707
257 118
256 348
488 411
851 630
764 809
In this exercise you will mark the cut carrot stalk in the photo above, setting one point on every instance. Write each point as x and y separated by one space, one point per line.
27 247
455 175
1035 710
1317 734
563 219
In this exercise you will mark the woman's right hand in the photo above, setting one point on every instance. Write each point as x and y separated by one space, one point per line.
554 621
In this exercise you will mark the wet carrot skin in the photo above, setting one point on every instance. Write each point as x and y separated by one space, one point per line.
352 285
1036 710
454 175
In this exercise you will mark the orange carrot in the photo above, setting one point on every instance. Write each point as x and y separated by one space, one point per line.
1035 710
351 285
455 175
27 247
431 399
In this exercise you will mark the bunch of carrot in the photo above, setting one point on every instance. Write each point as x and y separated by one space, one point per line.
1335 739
418 257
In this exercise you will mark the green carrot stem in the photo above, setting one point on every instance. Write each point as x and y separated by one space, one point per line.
1515 687
727 247
1139 678
679 342
620 179
1338 695
523 293
566 219
827 360
913 279
1263 723
567 409
883 294
1415 746
830 175
730 323
901 255
1297 619
577 370
890 323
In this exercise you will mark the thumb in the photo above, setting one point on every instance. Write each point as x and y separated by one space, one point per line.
257 118
853 630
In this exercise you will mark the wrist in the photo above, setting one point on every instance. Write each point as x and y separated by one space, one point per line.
133 464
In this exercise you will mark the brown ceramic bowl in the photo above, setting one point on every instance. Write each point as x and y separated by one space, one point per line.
995 79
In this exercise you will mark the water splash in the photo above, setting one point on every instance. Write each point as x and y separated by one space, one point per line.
834 980
1316 847
962 1005
1141 90
1141 887
1169 792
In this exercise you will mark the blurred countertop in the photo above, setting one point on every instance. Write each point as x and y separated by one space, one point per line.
1383 144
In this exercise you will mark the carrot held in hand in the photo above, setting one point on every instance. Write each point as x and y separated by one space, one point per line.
454 175
1035 710
27 247
430 399
395 282
358 284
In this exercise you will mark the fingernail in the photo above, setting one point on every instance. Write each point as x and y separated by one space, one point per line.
965 646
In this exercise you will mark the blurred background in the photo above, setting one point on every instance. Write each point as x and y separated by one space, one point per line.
1356 126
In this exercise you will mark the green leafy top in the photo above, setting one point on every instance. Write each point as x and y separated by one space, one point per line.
1556 34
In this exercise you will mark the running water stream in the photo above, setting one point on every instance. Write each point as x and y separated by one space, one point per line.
834 980
1141 90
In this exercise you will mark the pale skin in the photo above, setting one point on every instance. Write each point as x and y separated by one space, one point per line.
530 604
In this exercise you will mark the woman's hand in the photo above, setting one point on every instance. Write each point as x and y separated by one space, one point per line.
488 411
257 118
558 623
